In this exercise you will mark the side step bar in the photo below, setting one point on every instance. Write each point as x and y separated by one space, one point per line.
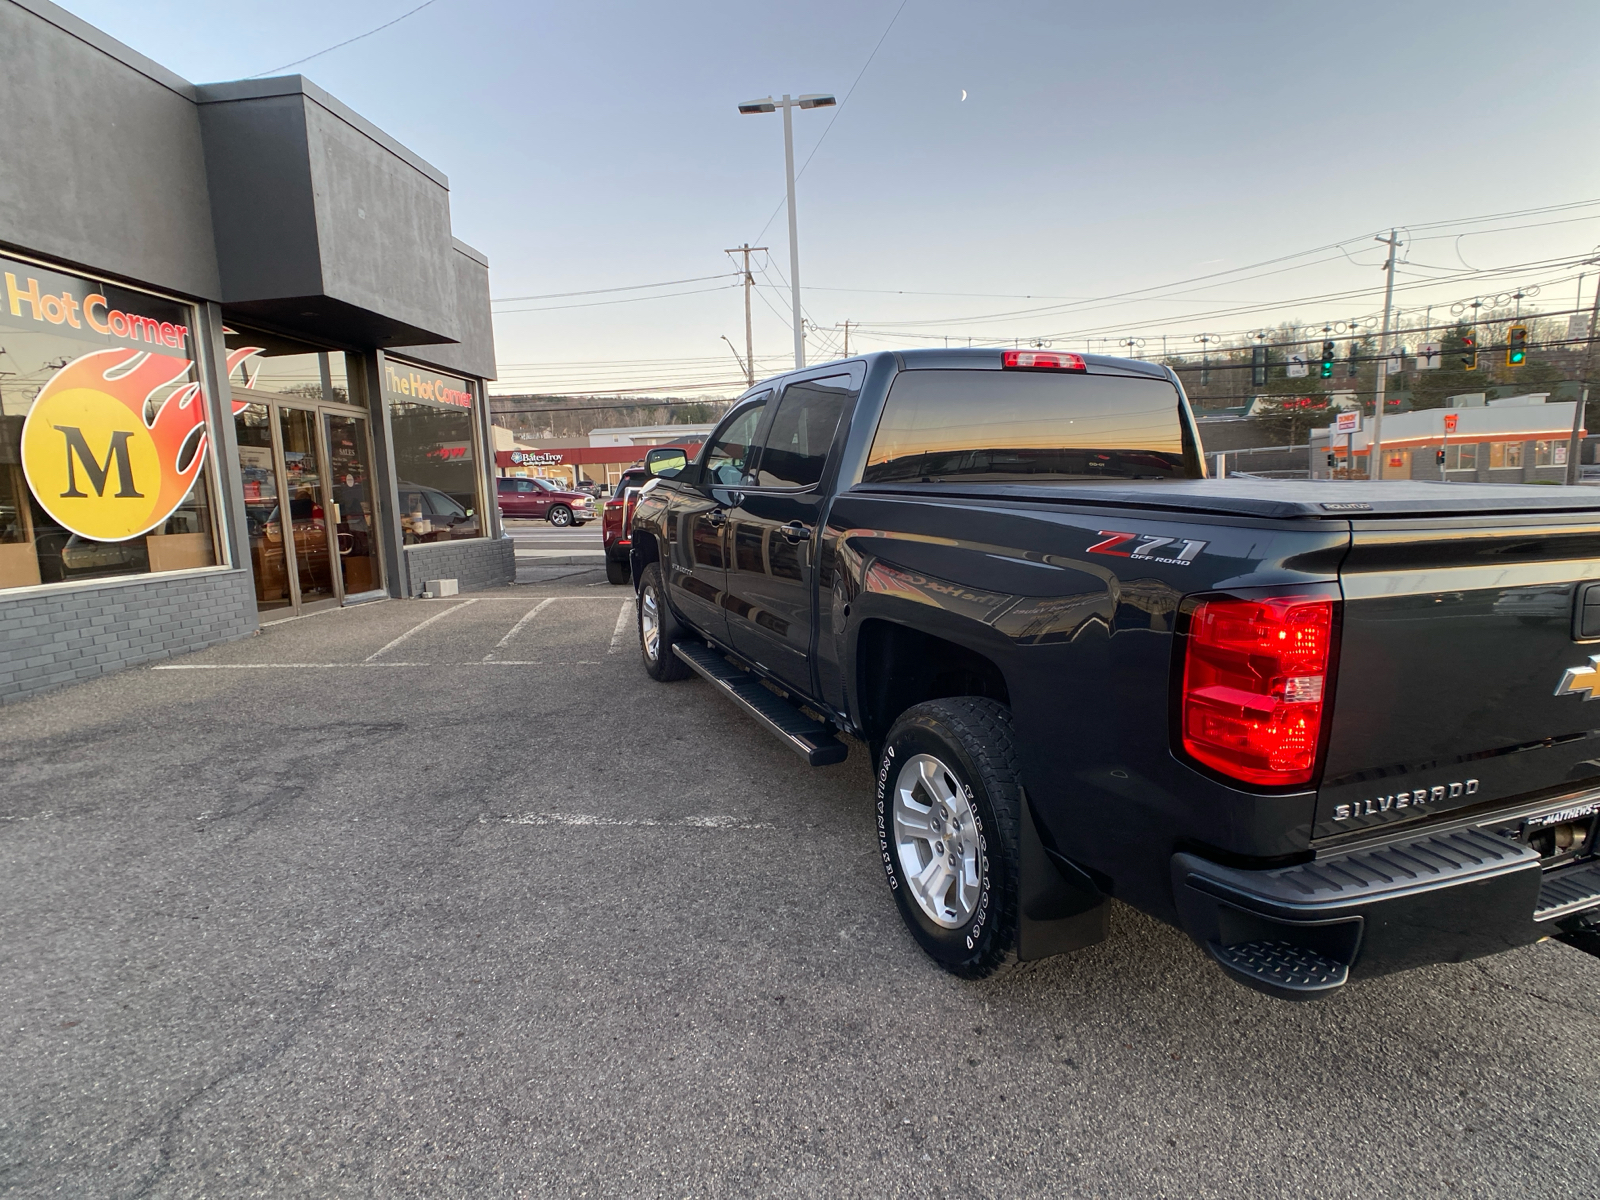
812 740
1568 892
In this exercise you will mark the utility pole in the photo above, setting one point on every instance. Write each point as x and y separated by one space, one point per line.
749 343
1375 445
1575 443
847 339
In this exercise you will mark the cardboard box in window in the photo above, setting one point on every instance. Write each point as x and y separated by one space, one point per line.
19 565
357 574
179 551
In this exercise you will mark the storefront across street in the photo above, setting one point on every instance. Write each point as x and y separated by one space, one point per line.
241 375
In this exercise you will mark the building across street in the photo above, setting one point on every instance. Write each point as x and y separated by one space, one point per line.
242 360
1519 439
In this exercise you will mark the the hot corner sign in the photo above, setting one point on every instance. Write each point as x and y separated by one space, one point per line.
116 438
403 381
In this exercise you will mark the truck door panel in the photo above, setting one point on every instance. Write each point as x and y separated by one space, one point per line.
770 580
698 568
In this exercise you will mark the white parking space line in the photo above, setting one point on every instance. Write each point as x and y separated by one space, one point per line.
345 666
420 625
518 627
622 627
707 821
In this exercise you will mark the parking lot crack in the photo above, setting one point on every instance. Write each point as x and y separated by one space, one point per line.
166 1127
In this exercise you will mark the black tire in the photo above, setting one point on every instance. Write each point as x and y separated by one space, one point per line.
664 666
560 516
617 570
972 739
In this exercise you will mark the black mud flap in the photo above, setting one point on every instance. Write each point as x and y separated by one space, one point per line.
1059 908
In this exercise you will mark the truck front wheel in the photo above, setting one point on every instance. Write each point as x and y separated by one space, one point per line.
949 805
658 629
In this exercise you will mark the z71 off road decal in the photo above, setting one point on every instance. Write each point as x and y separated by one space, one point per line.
1180 551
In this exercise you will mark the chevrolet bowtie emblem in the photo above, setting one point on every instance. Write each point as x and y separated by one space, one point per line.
1581 681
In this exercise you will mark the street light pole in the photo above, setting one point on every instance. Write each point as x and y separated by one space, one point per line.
794 234
789 104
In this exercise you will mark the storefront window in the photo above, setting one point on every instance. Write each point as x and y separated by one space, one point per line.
1463 457
433 417
285 368
103 432
1505 454
1550 454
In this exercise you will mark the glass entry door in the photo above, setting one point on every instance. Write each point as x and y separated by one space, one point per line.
309 504
354 519
305 488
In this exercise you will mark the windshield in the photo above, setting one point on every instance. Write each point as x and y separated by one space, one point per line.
1033 425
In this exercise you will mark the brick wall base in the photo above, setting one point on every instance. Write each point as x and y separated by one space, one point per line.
49 639
478 563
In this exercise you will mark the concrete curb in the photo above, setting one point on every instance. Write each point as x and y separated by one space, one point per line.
559 558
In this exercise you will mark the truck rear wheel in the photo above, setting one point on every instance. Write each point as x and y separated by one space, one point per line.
658 629
949 804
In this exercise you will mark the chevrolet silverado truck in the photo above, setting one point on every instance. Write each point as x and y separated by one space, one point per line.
1332 729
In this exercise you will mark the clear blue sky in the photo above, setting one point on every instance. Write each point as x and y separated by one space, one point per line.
1100 148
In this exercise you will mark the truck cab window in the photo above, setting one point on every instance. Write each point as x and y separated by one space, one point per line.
802 431
1037 426
731 457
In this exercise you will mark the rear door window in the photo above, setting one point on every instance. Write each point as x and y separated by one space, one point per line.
797 441
1039 426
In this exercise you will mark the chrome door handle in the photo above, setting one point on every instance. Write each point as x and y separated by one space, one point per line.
716 518
795 531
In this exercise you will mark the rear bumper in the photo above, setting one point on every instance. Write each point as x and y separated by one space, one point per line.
1303 931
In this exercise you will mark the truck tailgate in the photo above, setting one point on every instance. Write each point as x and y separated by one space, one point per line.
1458 633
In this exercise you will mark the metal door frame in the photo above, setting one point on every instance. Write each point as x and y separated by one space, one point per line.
354 413
319 410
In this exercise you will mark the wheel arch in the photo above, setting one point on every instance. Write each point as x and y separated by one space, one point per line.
898 666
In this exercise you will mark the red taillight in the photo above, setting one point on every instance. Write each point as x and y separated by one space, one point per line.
1041 360
1254 676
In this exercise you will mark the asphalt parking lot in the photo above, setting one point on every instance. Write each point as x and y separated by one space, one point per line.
447 898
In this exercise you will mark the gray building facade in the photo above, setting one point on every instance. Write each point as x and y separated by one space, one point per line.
242 360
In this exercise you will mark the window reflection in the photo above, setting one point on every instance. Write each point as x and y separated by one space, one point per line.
993 424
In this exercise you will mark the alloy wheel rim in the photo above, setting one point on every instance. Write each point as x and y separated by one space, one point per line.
936 841
561 517
650 623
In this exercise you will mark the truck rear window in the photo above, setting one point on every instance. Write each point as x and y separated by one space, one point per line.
1042 426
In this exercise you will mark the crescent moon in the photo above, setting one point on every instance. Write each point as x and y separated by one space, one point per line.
963 93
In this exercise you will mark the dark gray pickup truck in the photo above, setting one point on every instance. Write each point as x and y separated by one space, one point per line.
1332 730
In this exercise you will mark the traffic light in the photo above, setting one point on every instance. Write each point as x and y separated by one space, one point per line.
1352 366
1438 457
1327 360
1517 346
1258 366
1469 352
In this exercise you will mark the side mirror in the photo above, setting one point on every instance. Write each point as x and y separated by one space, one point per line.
665 461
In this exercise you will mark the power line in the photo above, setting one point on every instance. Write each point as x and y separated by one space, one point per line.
637 287
340 45
504 312
837 111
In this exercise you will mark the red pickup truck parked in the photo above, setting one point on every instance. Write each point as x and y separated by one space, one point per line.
531 496
617 516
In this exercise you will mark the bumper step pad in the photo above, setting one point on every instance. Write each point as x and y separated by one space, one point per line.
1281 967
811 739
1566 893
